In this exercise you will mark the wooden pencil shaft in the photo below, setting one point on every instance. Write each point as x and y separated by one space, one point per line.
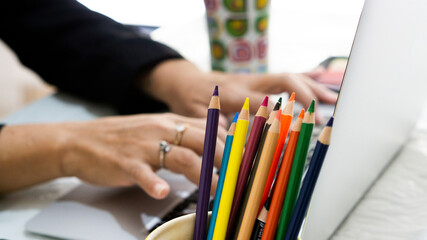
214 103
251 210
262 112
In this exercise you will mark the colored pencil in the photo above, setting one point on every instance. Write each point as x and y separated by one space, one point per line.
285 123
238 219
221 177
232 172
251 210
309 182
260 221
207 167
282 181
248 158
296 172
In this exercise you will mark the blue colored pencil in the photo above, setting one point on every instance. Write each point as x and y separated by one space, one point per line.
224 164
207 168
309 182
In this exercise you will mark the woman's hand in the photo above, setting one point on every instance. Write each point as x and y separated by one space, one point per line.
187 90
114 151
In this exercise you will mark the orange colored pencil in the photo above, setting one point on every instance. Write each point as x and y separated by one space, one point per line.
285 123
282 181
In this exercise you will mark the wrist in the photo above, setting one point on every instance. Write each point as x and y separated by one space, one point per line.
168 78
30 154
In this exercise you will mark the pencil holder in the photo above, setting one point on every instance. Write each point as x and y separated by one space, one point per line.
180 228
238 35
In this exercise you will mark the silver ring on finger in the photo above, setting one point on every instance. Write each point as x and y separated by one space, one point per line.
164 148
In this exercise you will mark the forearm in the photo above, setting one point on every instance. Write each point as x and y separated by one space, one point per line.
82 52
29 154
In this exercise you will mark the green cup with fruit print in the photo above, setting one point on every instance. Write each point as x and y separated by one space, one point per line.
238 35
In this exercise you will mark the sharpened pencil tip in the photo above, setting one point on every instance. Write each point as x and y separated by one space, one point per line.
265 102
278 104
292 97
330 122
236 116
216 91
246 104
301 114
311 108
279 113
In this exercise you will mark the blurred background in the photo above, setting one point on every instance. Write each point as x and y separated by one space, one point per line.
302 34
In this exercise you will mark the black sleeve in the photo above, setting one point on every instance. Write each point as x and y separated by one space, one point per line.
82 52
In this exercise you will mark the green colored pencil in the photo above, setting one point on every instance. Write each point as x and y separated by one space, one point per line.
296 172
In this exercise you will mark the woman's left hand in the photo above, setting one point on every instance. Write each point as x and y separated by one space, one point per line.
187 90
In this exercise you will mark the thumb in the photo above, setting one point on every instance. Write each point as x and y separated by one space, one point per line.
152 184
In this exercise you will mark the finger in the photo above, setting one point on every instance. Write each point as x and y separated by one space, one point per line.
199 122
194 139
145 177
322 93
315 73
319 118
214 183
185 161
235 100
192 124
255 101
223 122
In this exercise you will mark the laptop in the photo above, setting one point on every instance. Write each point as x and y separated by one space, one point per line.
379 103
381 96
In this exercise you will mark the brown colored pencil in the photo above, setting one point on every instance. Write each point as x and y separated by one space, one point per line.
251 210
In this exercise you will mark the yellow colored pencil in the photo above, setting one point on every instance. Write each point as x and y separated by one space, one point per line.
251 210
232 173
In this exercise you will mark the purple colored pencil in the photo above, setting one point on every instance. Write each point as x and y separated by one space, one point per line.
200 226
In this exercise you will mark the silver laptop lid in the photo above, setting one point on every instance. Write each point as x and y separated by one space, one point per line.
382 93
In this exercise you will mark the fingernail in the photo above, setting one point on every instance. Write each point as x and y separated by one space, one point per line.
333 94
160 189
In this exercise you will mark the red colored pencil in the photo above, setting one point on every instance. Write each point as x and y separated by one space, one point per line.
285 123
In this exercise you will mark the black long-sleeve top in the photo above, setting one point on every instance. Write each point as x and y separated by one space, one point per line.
82 52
